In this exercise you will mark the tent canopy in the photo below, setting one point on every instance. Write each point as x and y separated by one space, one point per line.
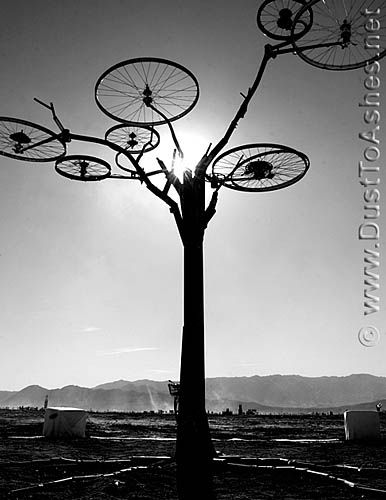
63 422
362 425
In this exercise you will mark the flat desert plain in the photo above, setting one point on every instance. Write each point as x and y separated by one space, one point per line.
131 456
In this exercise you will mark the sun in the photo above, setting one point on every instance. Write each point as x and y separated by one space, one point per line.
193 147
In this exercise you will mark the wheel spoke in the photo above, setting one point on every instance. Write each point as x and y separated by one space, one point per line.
260 167
275 19
126 91
343 25
28 141
134 139
83 168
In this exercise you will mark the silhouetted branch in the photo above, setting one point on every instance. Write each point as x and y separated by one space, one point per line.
211 209
171 176
268 54
173 134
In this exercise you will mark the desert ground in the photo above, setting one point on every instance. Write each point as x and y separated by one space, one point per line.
131 456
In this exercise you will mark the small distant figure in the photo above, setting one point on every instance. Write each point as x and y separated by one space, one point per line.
379 406
174 390
45 402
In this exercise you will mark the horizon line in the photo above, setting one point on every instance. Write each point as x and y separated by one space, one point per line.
206 378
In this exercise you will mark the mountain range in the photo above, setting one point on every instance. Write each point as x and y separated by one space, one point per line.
270 393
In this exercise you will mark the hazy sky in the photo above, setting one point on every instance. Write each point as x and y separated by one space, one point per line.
91 273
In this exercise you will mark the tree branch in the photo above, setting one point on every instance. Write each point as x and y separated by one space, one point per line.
203 165
211 209
168 123
171 176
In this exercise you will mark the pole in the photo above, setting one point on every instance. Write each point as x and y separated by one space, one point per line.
194 450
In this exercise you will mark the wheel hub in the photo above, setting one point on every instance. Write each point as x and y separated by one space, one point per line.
83 167
147 93
345 32
285 19
20 137
259 170
132 142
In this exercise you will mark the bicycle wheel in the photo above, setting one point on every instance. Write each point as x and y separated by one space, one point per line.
83 168
275 19
27 141
260 167
128 91
134 139
340 38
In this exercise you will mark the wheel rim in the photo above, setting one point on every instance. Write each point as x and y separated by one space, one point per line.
275 19
28 141
125 91
134 139
83 168
260 167
343 23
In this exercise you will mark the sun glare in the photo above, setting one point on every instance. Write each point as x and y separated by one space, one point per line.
180 165
193 147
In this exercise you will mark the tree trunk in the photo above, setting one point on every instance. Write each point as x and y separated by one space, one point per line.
194 451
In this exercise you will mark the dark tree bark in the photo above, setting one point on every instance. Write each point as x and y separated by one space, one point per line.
194 451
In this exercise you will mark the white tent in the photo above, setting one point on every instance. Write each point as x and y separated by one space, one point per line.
62 422
362 425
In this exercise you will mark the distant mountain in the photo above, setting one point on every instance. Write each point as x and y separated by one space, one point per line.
297 391
264 394
118 384
5 394
125 385
26 397
97 399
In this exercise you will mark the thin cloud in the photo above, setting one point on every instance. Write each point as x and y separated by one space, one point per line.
126 350
91 329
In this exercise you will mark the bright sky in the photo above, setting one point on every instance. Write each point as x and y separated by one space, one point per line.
91 273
